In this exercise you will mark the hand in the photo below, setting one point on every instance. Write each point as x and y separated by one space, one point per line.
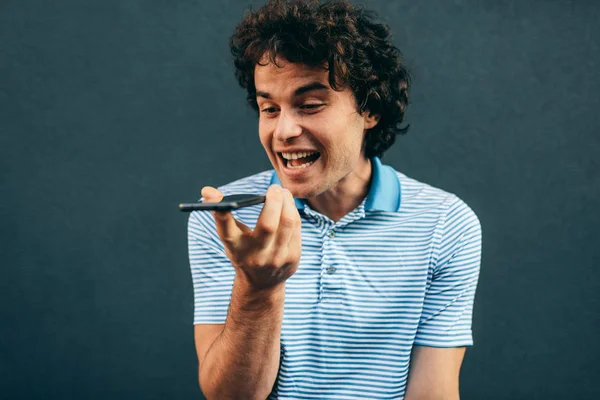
268 255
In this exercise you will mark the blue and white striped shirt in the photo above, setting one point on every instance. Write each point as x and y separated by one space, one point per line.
400 270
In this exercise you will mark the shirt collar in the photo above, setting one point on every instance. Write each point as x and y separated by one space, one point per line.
384 195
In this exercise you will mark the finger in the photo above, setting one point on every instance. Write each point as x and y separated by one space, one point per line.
228 228
268 220
211 195
288 222
294 245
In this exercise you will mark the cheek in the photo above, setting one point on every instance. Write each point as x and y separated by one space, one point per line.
346 136
323 130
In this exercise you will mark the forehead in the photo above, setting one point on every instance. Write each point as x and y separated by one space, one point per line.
282 78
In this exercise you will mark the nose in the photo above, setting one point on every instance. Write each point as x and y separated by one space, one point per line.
288 126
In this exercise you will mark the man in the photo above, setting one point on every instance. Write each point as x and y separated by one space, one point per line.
353 281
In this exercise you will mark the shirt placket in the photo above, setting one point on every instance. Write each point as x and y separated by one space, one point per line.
331 278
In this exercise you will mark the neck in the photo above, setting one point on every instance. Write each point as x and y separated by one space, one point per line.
346 195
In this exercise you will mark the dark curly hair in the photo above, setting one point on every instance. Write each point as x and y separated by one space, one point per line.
357 51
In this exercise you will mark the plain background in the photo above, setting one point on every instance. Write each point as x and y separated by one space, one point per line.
113 112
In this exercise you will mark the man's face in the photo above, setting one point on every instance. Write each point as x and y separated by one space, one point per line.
312 134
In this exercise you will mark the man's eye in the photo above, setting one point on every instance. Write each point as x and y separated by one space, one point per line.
269 110
311 106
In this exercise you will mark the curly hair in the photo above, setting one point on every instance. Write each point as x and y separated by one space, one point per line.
356 51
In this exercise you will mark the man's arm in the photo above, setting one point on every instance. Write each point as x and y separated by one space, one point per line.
434 373
445 326
240 359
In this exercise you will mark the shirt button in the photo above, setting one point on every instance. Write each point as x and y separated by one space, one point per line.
331 233
331 270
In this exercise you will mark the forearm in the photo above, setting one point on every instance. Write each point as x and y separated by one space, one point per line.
434 373
243 361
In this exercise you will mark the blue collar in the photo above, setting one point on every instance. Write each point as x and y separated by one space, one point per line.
384 195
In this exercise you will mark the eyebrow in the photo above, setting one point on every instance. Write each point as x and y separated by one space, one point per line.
301 90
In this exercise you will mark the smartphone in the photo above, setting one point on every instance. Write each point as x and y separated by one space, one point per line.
231 202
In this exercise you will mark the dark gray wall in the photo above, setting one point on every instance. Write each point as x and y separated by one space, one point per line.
113 112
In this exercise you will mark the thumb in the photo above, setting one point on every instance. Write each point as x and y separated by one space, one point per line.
211 195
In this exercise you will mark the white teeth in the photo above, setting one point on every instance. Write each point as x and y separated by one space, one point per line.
302 166
295 156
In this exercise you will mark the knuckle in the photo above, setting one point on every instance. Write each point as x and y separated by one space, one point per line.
288 222
256 261
268 227
278 260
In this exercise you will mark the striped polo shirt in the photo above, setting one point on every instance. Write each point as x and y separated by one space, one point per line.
399 270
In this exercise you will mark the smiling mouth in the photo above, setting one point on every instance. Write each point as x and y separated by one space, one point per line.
299 160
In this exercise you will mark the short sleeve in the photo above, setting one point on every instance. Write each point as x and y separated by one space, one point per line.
212 272
448 306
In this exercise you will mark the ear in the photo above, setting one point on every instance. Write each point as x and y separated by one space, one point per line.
371 119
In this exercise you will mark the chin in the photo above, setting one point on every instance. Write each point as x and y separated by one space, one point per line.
302 192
